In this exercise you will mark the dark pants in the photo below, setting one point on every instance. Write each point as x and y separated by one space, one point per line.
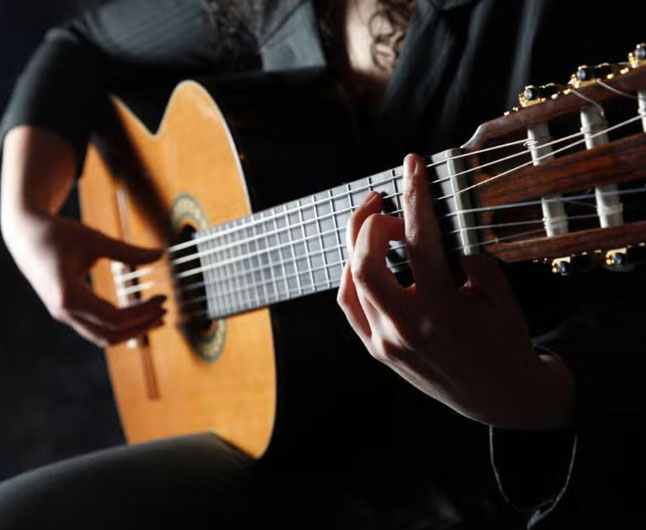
177 483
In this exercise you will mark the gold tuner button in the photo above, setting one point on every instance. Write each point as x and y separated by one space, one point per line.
562 266
617 258
638 56
533 94
587 75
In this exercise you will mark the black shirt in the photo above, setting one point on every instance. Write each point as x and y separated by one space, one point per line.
463 62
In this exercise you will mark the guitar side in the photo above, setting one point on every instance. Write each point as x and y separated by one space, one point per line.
162 387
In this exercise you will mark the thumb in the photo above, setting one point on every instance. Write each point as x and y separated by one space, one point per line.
486 279
126 253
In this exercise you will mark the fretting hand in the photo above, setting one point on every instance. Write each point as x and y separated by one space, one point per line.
466 346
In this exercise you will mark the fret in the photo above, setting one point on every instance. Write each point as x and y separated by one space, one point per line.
293 254
258 260
230 272
358 191
340 243
244 262
280 226
269 242
301 250
215 280
237 266
312 243
319 211
251 291
290 250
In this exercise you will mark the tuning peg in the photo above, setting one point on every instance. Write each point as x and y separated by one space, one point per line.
571 264
638 56
624 259
532 95
586 75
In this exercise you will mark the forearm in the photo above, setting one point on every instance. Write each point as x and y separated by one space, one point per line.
37 171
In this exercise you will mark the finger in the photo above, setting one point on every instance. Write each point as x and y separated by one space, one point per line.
371 204
89 306
486 279
124 252
370 273
349 303
103 337
423 237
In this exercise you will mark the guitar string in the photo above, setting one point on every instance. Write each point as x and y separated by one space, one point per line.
500 224
528 143
315 286
532 162
255 284
283 245
285 278
293 259
327 200
449 196
394 175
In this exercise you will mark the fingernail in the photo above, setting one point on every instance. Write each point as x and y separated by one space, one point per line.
371 197
410 165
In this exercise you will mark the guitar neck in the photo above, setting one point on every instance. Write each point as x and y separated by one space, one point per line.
290 250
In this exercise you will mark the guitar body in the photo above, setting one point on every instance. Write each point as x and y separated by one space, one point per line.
163 388
292 376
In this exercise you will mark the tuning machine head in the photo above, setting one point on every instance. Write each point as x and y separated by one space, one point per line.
625 259
638 56
571 264
533 95
587 75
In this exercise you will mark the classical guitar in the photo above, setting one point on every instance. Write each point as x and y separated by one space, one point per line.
559 179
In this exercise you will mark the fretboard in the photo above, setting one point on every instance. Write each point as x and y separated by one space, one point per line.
288 251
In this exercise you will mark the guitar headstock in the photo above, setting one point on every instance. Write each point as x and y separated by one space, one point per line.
562 177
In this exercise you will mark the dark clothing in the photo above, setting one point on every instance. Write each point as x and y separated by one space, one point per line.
463 62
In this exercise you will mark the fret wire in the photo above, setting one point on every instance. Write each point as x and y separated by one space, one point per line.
271 269
264 287
216 275
230 228
336 230
282 265
180 246
197 270
323 250
293 253
228 269
307 221
248 277
307 257
394 267
237 268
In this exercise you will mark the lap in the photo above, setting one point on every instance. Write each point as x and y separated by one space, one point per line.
168 483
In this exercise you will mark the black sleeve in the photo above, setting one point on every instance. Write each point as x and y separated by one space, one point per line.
594 463
120 44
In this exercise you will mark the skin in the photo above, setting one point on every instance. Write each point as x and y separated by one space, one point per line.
468 347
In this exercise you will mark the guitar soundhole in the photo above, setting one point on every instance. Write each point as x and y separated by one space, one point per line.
192 289
206 335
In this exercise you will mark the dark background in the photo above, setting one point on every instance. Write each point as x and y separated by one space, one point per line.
55 396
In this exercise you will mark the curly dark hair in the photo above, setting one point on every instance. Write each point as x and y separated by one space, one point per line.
387 25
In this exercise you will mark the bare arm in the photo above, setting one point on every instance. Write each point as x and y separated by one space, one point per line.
55 253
